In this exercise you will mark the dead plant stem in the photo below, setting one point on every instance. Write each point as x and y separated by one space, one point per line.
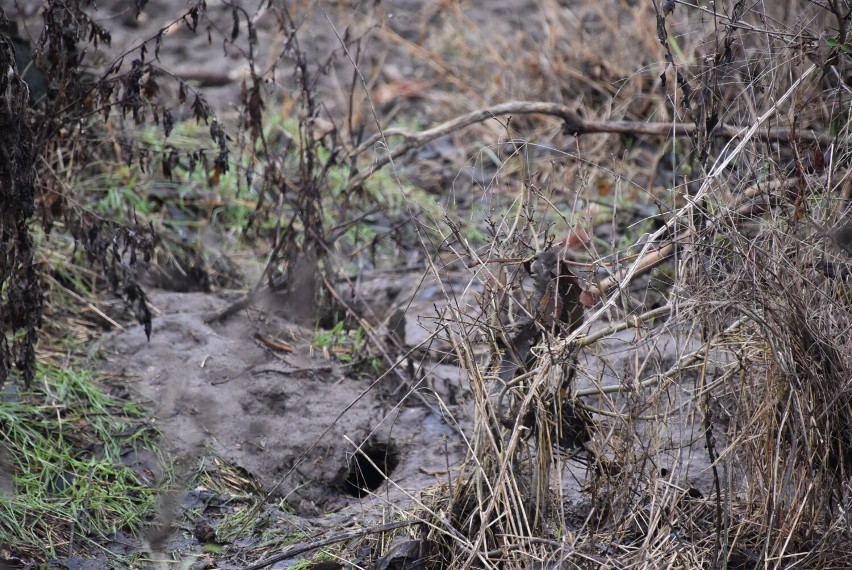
682 362
574 125
303 547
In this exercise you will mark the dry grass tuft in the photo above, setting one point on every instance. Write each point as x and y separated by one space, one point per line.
696 414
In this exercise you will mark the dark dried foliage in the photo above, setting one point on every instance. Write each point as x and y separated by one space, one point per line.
301 240
20 293
66 108
75 109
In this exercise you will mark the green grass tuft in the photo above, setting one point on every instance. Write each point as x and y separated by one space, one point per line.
64 484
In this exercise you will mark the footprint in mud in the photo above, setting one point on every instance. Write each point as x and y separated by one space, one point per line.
265 400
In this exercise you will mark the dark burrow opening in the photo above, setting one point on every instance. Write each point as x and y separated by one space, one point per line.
369 466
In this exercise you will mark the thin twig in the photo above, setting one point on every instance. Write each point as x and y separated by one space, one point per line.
655 257
303 547
682 363
627 323
389 360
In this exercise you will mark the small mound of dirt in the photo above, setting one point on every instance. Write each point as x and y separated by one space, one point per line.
297 416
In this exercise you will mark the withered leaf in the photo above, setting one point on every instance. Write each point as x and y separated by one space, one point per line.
126 152
200 109
98 34
170 160
406 555
144 156
235 30
150 88
168 121
135 297
192 23
255 112
215 175
818 159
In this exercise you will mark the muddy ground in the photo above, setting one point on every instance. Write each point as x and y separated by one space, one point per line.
291 421
293 418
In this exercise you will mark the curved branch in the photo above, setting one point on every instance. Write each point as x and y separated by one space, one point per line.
572 124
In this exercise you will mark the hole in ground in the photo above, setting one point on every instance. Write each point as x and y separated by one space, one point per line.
362 475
